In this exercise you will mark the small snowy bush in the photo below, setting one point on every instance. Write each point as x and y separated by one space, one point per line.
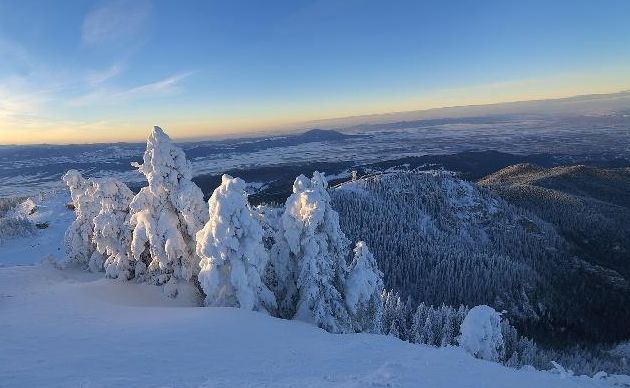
232 253
14 221
12 227
480 333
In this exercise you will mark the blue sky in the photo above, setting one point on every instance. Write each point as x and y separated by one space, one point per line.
78 71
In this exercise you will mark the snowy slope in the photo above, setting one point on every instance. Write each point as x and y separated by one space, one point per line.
66 328
73 328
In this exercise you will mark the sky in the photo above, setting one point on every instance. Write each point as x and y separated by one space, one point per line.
80 71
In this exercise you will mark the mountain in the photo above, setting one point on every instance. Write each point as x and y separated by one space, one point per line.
439 239
589 206
74 328
582 105
321 135
470 164
610 186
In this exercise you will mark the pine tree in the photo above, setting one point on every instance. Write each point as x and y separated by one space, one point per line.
318 248
417 326
79 237
166 215
429 334
232 253
390 303
447 326
281 275
363 289
112 235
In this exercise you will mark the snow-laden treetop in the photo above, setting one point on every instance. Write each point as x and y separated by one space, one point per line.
164 164
307 209
229 217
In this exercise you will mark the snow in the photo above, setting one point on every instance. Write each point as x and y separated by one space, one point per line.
79 238
480 333
363 289
166 214
318 247
232 253
71 327
112 234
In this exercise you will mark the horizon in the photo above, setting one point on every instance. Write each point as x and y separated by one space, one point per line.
105 71
299 128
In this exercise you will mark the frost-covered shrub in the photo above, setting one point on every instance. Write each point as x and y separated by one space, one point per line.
12 227
363 290
78 239
480 333
166 215
232 253
14 221
9 203
310 258
112 235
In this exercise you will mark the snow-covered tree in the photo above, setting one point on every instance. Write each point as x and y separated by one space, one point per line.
166 215
232 253
78 239
363 290
279 275
112 235
480 333
312 254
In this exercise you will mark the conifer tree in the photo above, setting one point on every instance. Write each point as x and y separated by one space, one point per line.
232 253
166 215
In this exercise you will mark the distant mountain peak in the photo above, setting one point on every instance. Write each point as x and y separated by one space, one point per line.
323 134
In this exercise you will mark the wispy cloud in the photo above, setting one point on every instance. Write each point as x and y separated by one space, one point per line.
20 98
95 78
13 52
118 20
106 96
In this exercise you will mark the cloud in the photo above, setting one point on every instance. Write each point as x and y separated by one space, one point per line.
116 21
165 85
19 99
95 78
15 53
103 96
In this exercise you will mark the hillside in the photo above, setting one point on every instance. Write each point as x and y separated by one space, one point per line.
70 327
439 239
589 206
605 185
67 328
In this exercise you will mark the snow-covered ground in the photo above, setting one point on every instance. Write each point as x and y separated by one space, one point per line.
67 328
73 328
